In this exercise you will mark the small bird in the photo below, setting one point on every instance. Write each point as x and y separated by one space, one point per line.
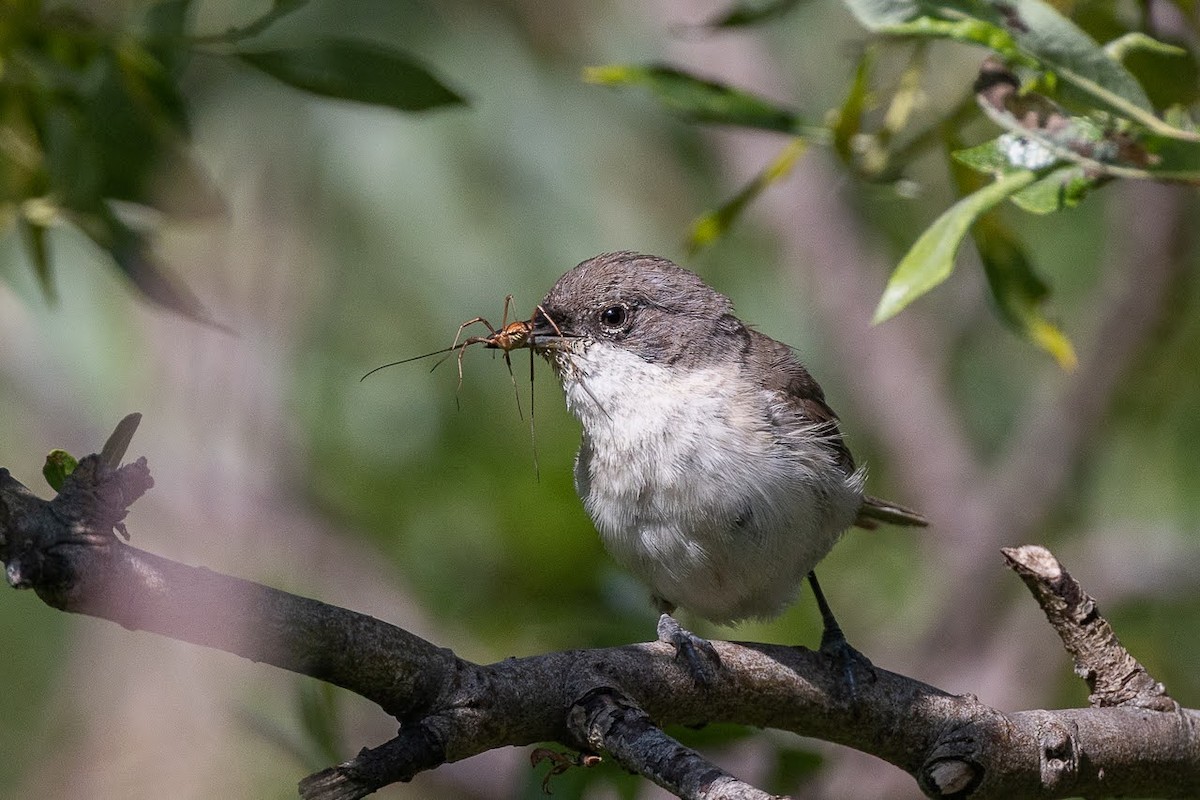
710 462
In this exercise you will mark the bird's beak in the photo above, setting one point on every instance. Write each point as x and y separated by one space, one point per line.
547 334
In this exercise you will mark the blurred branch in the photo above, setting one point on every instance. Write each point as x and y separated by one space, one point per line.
611 700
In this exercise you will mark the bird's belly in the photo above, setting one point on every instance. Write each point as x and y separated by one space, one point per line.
695 488
722 532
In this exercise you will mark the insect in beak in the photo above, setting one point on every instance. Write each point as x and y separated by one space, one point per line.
508 337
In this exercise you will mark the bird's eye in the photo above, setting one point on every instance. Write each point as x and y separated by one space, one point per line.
614 318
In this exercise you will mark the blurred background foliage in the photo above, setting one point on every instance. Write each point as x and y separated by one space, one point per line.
195 154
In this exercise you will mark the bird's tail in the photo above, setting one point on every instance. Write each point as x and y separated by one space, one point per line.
875 510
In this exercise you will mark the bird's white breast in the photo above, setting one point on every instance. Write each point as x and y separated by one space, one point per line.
694 488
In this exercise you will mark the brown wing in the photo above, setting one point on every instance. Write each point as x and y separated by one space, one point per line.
784 374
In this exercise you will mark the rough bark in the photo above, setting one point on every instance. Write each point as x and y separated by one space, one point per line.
612 701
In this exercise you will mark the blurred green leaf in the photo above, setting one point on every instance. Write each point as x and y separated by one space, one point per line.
792 767
848 122
702 100
1170 79
279 10
130 252
1018 291
150 90
165 24
987 158
33 236
878 14
1136 41
59 464
966 31
746 13
714 734
320 720
715 224
931 259
362 71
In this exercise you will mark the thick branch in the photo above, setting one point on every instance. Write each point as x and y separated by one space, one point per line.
614 700
66 551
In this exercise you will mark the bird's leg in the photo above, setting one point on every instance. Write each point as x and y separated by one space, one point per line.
701 657
855 666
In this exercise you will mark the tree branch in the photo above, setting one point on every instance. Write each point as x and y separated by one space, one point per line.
608 721
611 700
1115 677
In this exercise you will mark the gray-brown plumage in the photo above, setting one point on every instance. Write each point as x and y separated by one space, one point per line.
710 462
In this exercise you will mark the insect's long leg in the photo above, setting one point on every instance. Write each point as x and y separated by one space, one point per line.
470 341
504 318
449 351
537 472
549 319
507 338
513 378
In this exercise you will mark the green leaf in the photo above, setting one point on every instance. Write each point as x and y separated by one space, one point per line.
701 100
715 224
988 158
150 90
59 464
966 31
365 72
793 766
1076 57
1030 32
1063 188
166 24
1019 293
931 259
746 13
1170 78
877 14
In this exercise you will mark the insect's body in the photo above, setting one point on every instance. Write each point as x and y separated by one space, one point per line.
508 337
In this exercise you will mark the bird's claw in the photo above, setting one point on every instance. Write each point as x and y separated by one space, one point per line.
699 654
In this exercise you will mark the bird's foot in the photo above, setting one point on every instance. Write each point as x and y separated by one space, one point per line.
699 654
855 668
